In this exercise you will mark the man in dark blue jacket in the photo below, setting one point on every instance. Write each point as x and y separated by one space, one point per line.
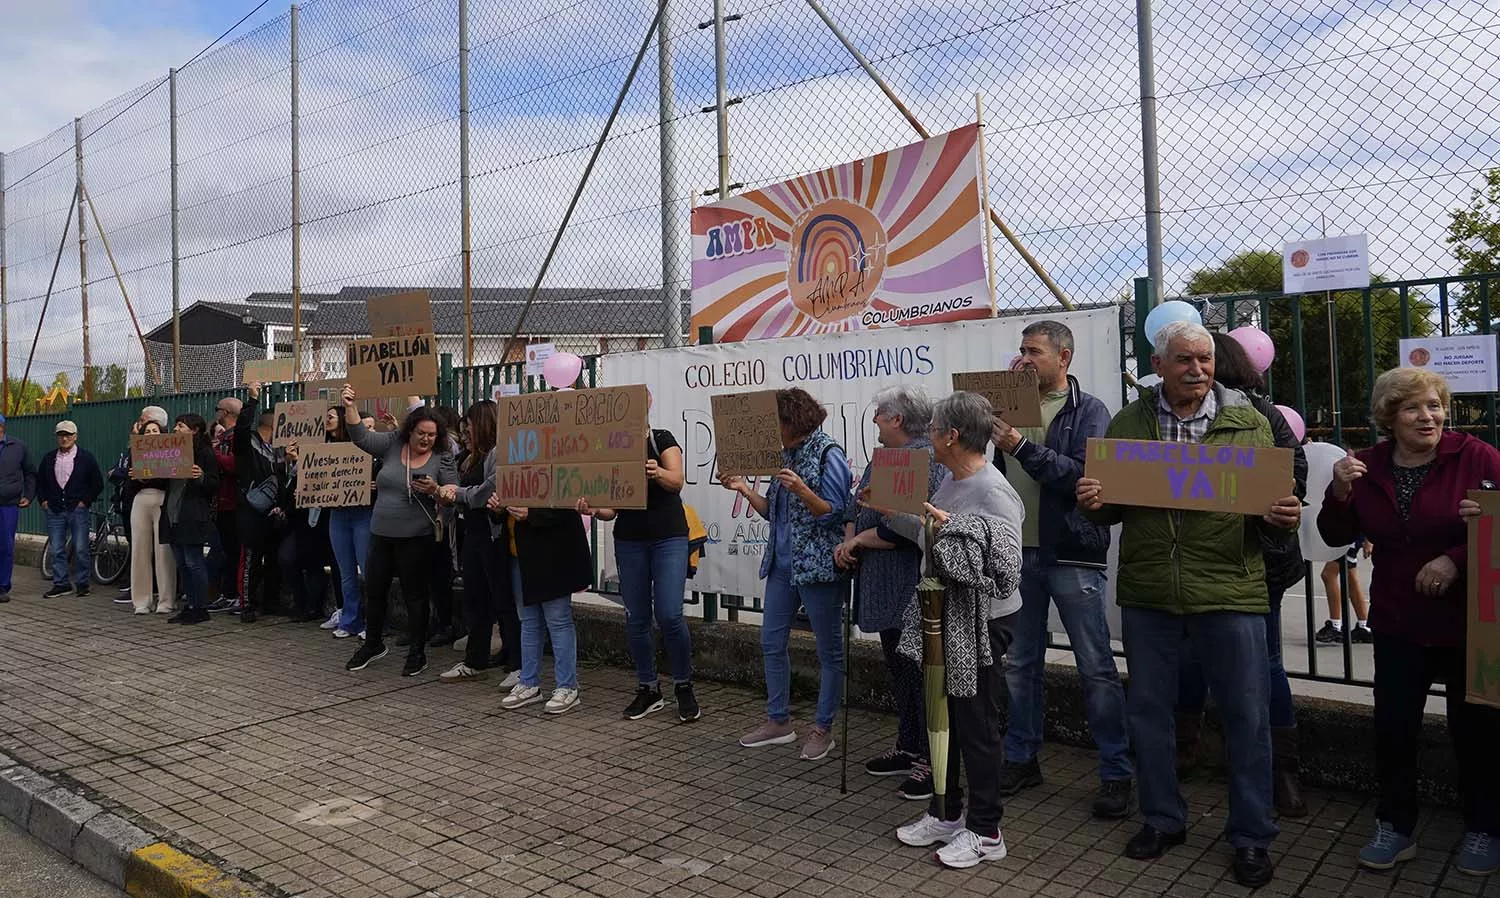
1064 557
68 482
17 487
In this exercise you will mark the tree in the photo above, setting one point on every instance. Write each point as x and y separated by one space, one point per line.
1474 237
1259 272
105 383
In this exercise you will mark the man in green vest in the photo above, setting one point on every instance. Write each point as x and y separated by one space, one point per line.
1195 577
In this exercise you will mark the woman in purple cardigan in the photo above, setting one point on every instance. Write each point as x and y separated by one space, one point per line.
1404 495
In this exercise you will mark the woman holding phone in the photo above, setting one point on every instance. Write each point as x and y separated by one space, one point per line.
414 464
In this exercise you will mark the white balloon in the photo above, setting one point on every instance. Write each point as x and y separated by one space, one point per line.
1320 460
1148 380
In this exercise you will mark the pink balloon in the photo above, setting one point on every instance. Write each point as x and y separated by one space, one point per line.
562 370
1294 420
1257 345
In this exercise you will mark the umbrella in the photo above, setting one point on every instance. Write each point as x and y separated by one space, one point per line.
934 672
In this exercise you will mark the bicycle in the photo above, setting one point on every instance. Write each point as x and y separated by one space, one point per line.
109 550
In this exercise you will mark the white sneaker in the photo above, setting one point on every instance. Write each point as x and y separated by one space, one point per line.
521 696
143 611
341 634
969 849
562 701
459 673
512 680
929 831
361 634
331 624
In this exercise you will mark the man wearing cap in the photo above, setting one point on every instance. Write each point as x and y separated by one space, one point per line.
17 487
68 482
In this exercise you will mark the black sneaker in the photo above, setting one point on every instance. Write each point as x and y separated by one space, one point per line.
81 591
1361 635
917 786
223 603
893 763
647 700
58 592
1113 800
125 589
124 599
1329 634
4 596
1014 777
193 616
687 703
370 651
415 664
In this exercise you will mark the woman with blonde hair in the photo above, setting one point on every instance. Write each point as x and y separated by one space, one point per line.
1407 494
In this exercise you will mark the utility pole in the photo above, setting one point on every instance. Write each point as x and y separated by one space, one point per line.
1150 166
83 261
176 247
4 300
671 221
296 197
465 209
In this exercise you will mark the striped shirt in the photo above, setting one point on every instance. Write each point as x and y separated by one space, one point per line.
1186 430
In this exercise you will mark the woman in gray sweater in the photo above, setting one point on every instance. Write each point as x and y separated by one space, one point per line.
415 463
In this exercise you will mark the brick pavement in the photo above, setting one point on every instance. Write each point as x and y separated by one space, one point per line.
250 746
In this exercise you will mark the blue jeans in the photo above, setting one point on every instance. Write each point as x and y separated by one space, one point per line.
190 560
59 525
9 515
653 579
555 616
349 532
1192 688
1233 647
1079 594
824 603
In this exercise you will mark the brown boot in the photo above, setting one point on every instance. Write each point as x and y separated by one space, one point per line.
1286 785
1187 741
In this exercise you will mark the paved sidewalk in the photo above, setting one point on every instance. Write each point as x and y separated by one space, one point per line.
252 747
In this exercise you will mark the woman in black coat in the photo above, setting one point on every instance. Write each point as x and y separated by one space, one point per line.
187 519
550 560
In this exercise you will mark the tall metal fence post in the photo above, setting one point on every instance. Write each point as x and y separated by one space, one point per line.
671 222
1150 167
83 260
467 235
296 195
4 303
176 246
721 90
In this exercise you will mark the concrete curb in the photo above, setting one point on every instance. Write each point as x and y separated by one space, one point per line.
105 844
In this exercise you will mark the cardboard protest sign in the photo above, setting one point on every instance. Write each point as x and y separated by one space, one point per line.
899 479
400 314
333 475
1013 394
1190 476
266 371
299 422
555 448
748 433
391 366
1483 650
161 455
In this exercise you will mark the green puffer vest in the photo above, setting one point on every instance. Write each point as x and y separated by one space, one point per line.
1190 562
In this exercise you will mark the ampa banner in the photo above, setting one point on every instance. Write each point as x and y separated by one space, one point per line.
896 239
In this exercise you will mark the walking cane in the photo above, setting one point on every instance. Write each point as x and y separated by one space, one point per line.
844 755
934 673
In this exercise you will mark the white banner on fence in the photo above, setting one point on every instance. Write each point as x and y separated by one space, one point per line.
843 371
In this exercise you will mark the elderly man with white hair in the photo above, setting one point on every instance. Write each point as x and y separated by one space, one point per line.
1195 577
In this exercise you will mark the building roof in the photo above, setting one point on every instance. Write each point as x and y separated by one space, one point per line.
557 311
271 308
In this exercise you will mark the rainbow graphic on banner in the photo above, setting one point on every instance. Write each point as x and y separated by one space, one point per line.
893 240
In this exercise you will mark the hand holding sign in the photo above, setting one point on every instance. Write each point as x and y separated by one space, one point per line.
1285 513
1089 494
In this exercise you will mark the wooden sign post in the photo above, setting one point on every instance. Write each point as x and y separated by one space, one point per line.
899 479
1190 476
1013 394
392 366
299 421
554 448
747 433
1483 650
154 456
333 475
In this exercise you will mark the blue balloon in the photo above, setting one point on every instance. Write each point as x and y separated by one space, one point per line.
1173 310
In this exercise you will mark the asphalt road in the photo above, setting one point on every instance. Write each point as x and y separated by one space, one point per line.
29 869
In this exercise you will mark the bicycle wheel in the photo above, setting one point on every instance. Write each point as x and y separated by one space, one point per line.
111 554
45 564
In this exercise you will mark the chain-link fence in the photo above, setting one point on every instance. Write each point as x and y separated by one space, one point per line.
1276 122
